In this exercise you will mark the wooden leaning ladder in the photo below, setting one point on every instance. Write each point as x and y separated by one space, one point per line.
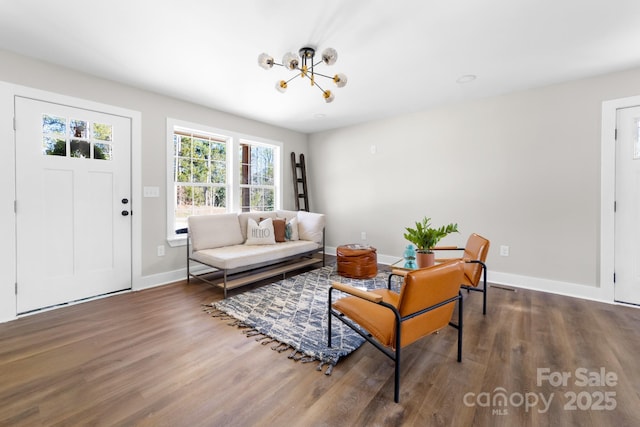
300 177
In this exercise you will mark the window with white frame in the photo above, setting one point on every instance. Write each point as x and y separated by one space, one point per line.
257 181
215 171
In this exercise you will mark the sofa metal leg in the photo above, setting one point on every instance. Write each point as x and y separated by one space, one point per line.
225 284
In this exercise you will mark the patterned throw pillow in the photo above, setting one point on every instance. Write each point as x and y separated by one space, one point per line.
291 230
260 234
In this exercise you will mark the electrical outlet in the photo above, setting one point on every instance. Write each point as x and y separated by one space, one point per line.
363 235
504 250
161 250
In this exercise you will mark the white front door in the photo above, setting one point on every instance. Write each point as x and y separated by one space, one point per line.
627 214
73 192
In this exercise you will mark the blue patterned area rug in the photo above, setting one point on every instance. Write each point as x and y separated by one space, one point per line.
291 315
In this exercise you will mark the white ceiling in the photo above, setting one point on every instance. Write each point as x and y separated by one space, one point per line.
400 56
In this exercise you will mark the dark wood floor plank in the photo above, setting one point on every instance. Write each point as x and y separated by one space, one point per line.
155 358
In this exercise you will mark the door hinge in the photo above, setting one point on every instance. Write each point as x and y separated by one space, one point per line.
14 123
615 134
615 206
15 206
16 288
614 277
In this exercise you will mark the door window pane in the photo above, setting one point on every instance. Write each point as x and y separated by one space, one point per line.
78 128
80 149
54 146
102 151
102 132
52 124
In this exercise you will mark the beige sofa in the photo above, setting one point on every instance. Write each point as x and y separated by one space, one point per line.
244 249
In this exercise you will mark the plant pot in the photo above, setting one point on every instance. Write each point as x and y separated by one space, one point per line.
425 259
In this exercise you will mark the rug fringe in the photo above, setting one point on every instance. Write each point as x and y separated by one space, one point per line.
281 347
296 357
264 339
214 312
329 369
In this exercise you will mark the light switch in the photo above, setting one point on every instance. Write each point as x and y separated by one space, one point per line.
151 191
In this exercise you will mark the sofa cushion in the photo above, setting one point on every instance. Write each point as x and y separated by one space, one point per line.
287 214
214 231
242 255
260 234
310 226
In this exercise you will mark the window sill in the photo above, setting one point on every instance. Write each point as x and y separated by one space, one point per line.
176 241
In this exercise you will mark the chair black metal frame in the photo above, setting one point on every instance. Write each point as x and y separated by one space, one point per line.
395 355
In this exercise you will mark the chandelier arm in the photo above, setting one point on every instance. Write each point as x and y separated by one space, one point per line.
294 77
319 87
315 84
324 75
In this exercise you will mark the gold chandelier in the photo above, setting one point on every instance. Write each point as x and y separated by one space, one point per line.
304 63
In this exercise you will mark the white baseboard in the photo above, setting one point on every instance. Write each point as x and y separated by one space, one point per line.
165 278
574 290
546 285
160 279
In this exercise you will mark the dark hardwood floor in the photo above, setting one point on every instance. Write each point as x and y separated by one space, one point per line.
154 358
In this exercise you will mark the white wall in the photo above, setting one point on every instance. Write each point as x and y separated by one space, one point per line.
522 169
155 109
7 196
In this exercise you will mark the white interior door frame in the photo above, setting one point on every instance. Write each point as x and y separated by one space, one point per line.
7 216
607 192
8 91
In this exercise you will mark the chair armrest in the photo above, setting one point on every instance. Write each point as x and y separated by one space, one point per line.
450 259
397 272
447 248
369 296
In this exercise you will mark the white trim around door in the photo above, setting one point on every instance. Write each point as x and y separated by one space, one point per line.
8 92
607 192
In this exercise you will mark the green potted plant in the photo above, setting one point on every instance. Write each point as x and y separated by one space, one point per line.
426 238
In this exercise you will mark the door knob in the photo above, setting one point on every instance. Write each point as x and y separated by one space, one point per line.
125 201
125 213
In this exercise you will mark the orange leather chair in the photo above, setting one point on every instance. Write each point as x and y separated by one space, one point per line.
475 255
393 320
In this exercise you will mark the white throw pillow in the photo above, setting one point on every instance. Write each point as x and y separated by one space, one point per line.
291 230
310 226
260 234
